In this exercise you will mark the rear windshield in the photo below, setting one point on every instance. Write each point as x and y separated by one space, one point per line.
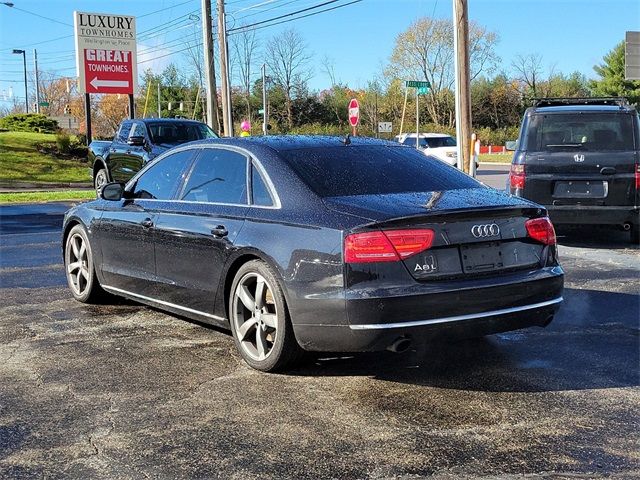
370 170
176 133
580 131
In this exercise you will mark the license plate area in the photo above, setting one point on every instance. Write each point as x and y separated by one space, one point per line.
581 189
483 257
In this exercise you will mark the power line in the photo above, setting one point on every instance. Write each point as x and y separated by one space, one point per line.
41 16
239 29
282 16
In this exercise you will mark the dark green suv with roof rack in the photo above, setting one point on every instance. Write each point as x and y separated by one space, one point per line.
580 158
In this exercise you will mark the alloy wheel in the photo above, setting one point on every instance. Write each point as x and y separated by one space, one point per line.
101 179
255 316
77 264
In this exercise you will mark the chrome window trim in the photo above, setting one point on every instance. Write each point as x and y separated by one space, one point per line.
162 302
277 205
456 318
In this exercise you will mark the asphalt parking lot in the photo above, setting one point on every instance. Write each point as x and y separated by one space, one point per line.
125 391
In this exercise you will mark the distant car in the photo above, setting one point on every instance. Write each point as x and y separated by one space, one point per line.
438 145
137 142
314 243
580 158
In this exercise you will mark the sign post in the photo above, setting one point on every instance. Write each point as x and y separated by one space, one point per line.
106 60
422 88
354 114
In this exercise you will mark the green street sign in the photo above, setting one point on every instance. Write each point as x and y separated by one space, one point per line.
44 104
423 90
417 84
261 111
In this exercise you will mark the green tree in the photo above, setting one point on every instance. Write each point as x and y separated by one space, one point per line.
612 82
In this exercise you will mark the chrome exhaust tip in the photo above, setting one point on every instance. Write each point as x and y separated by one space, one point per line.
626 227
400 345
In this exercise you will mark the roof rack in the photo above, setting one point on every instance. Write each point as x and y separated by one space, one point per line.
559 101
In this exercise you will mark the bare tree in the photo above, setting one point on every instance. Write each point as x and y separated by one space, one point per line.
529 70
245 47
425 52
287 57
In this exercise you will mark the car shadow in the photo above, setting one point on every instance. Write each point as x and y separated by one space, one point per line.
595 236
592 343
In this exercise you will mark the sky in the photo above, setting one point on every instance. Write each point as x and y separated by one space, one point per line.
571 35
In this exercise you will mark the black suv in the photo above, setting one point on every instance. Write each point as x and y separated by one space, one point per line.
580 158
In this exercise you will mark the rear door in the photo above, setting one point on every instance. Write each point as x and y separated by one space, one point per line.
581 158
117 154
196 232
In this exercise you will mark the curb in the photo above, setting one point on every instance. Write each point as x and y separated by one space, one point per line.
18 187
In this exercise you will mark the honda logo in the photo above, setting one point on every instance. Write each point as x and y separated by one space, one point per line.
484 231
579 157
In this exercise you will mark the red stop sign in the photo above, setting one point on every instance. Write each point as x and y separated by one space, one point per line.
354 112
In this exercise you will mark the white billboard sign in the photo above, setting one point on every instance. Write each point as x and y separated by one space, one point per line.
106 59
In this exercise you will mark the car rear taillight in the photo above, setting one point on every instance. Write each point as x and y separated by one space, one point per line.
386 246
516 176
541 230
637 175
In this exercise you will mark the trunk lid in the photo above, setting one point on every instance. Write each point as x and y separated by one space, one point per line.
477 231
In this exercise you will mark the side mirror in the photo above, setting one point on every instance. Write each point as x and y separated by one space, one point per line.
511 145
112 191
136 141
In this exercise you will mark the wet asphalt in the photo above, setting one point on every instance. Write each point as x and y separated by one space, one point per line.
125 391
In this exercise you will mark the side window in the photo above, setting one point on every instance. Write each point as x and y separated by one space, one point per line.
259 190
219 176
123 133
161 180
138 130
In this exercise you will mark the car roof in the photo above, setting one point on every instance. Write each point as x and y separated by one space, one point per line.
163 120
582 108
294 142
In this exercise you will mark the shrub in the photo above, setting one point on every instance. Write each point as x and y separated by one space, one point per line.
63 142
28 122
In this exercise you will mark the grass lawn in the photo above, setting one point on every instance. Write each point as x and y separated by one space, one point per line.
496 157
37 197
20 161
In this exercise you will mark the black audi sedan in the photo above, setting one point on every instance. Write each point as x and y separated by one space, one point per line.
316 244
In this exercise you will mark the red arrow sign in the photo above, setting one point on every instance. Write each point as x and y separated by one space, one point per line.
354 112
108 71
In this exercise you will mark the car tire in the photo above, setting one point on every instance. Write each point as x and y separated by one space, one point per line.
79 267
260 320
635 233
101 179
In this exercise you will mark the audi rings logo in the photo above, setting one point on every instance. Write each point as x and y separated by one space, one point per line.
483 231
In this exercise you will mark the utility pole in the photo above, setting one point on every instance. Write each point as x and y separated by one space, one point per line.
462 90
224 70
159 107
210 76
35 62
264 99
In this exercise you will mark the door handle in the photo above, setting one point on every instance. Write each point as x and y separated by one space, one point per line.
147 223
220 231
608 171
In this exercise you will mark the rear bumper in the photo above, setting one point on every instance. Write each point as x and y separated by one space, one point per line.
592 215
375 322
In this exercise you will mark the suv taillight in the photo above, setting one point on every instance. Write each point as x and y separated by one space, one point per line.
386 246
541 230
516 177
637 175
